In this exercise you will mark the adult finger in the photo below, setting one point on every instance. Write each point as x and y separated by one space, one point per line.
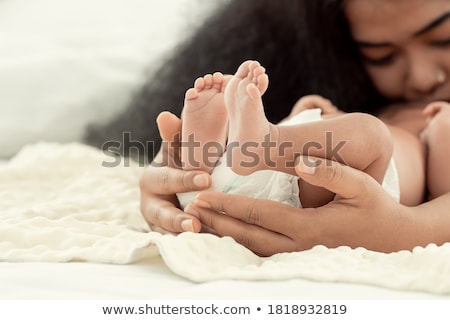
256 212
262 241
169 125
167 181
164 217
344 181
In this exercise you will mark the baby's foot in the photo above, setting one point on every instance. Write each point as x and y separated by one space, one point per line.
248 125
204 128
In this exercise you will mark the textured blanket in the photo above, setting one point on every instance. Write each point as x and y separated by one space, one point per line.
59 204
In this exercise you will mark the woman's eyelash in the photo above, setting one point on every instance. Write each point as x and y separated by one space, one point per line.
380 61
442 43
386 60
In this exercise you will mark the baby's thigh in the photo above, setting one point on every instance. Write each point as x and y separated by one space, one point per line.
437 137
409 156
438 133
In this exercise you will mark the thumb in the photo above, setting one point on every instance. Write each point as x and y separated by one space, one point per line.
344 181
169 126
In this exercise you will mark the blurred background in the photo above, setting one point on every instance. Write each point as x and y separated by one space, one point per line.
65 63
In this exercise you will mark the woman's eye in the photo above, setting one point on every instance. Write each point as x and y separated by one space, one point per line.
384 61
442 43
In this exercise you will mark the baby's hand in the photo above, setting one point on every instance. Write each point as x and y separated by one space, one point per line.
438 115
432 109
314 101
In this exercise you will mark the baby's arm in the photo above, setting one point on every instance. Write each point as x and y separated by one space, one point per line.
436 136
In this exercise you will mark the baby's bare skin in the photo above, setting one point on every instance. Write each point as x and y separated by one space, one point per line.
205 123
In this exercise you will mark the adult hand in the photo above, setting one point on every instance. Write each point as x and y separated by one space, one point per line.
164 178
361 215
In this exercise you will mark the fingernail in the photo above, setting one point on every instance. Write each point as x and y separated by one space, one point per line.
187 226
190 210
306 165
201 180
202 203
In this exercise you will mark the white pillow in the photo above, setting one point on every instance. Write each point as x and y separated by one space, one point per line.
64 63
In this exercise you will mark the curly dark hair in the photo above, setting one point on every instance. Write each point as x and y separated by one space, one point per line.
307 43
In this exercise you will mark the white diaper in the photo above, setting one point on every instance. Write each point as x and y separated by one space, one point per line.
274 185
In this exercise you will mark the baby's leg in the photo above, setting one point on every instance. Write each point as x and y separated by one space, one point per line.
247 122
204 128
409 157
358 140
437 137
438 170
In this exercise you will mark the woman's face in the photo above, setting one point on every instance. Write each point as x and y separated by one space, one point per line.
405 45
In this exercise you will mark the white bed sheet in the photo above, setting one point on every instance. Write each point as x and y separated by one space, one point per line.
155 278
151 279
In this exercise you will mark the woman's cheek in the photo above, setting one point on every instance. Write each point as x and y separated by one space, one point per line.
387 81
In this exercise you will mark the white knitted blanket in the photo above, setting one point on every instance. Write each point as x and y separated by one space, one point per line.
58 204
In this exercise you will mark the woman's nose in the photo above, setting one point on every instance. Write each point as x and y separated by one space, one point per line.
423 76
